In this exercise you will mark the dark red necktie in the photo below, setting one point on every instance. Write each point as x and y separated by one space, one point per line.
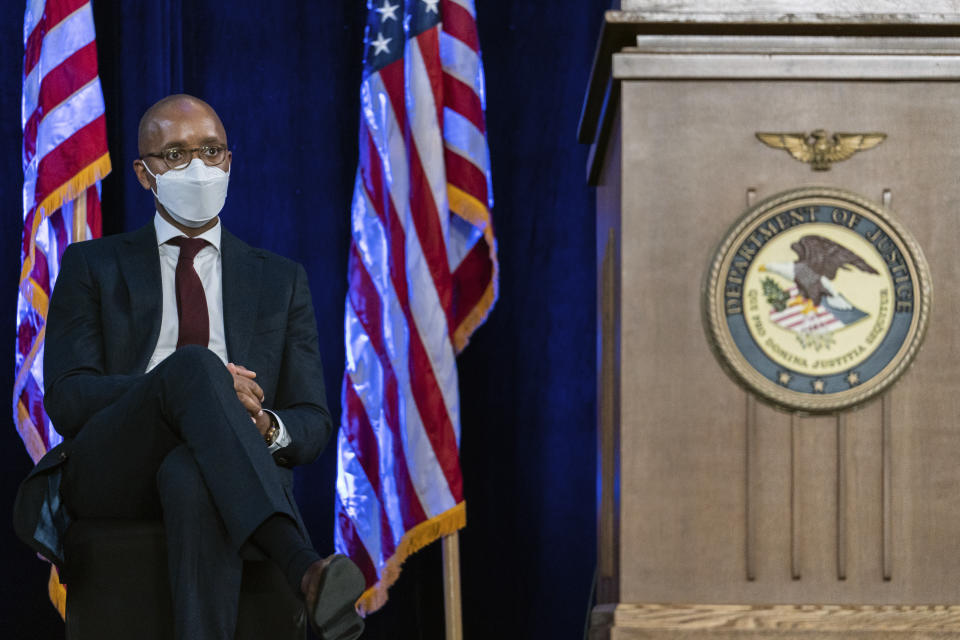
191 301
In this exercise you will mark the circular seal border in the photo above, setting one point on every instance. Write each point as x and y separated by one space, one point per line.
731 358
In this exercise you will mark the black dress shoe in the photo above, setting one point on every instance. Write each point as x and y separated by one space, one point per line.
333 587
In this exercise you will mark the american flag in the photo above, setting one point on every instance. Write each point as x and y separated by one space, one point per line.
422 277
794 318
64 157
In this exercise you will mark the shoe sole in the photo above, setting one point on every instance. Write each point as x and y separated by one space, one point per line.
341 585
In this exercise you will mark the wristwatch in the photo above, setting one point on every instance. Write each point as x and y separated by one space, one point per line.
273 431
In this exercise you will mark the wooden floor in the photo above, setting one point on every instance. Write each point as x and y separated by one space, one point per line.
669 622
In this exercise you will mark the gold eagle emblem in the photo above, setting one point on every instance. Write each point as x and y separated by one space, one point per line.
819 149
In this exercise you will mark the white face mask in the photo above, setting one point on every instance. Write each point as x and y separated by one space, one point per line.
192 196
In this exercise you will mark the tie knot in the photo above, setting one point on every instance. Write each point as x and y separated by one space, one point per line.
189 247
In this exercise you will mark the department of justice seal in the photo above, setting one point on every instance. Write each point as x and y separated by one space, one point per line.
817 299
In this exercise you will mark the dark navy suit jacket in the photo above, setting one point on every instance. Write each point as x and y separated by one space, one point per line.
102 327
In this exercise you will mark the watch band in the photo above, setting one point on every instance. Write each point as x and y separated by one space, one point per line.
271 435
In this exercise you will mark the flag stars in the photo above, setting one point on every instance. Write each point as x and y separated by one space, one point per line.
818 385
380 44
431 6
388 11
853 378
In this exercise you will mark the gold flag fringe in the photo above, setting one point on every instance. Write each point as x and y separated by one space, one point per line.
476 213
80 182
478 315
468 207
58 593
417 538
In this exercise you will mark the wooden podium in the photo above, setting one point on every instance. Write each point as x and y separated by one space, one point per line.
721 515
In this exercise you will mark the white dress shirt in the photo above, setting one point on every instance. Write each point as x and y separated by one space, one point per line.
209 267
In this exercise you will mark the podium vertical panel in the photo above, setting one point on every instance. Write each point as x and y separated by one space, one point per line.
721 515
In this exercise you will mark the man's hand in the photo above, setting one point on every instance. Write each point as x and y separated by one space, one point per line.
250 395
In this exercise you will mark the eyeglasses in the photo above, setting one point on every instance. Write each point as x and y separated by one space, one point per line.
177 158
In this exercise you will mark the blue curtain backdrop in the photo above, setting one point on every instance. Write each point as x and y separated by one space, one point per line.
284 77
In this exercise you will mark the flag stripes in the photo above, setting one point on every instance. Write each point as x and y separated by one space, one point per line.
58 30
821 320
422 276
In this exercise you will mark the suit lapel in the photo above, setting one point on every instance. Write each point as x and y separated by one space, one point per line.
241 293
140 269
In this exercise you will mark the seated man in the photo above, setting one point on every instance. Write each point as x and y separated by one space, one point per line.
182 369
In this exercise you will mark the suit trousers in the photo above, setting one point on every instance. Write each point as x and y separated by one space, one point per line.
179 446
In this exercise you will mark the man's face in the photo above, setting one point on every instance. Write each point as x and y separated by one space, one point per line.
182 124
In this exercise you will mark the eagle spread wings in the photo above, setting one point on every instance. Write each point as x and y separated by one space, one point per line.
820 149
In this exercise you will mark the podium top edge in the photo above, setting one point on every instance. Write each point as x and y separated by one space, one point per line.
620 28
791 11
783 17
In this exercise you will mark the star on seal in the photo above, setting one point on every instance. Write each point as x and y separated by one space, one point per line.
818 385
783 378
853 378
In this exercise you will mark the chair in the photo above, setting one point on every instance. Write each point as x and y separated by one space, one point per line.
117 587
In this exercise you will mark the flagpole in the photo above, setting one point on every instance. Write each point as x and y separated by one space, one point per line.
453 613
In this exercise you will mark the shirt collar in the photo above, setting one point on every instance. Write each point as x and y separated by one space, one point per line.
166 231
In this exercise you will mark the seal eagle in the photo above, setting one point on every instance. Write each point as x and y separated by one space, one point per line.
818 260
